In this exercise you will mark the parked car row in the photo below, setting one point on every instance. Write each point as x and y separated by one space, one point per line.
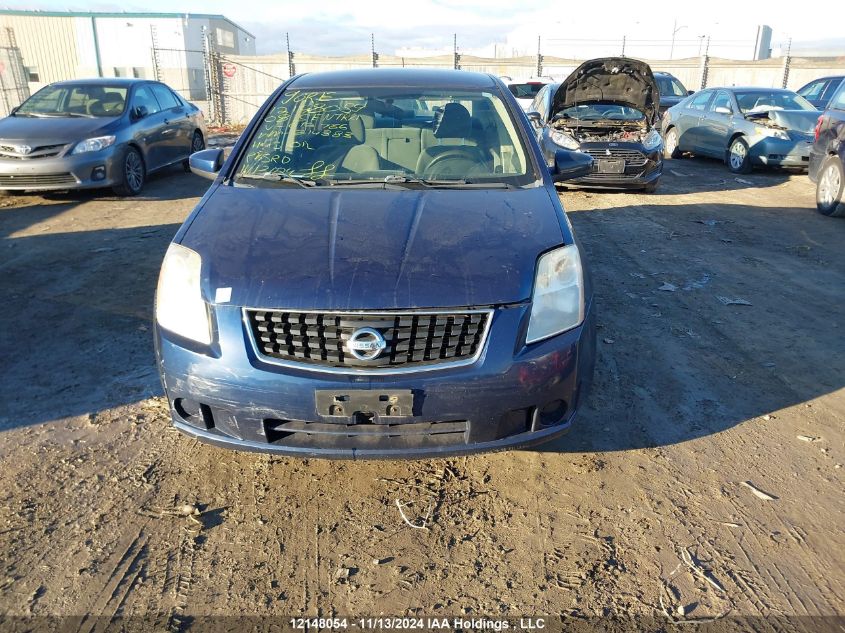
114 132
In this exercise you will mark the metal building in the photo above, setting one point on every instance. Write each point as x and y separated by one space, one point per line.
56 45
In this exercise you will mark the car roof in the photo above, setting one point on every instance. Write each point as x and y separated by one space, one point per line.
101 81
395 77
746 89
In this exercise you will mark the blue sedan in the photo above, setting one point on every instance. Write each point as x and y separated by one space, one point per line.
382 268
745 127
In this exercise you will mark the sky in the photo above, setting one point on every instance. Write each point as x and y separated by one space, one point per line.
341 27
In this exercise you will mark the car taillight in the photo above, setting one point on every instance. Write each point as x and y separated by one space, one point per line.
818 127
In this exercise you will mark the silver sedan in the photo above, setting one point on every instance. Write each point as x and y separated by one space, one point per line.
745 127
97 133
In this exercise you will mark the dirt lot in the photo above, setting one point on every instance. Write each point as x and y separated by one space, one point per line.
641 508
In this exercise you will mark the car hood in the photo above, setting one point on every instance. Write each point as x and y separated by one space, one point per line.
803 121
619 80
49 130
371 249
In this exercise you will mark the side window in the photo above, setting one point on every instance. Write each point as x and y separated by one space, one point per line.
813 90
838 101
700 101
144 97
165 97
722 100
832 87
537 104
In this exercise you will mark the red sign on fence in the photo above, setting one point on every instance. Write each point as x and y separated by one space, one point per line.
229 70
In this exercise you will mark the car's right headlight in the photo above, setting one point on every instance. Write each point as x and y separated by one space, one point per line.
564 140
557 304
180 307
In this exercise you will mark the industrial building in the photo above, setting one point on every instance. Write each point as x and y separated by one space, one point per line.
57 45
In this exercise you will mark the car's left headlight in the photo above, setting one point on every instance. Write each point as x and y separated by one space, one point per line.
564 140
557 304
93 144
180 307
652 140
773 132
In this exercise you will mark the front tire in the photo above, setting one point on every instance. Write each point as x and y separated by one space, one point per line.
739 156
670 144
197 145
134 174
829 188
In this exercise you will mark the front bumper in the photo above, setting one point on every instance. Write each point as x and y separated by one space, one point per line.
228 396
638 172
80 171
776 152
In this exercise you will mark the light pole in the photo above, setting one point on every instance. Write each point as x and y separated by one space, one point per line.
675 29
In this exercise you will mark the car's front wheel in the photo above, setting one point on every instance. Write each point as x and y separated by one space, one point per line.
134 174
670 144
739 158
197 145
829 188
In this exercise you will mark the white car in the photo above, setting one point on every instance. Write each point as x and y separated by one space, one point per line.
527 90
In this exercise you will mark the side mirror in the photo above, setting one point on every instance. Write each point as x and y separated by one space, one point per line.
571 164
690 92
206 163
722 110
139 112
536 119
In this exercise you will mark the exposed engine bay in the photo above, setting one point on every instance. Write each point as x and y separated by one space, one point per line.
604 132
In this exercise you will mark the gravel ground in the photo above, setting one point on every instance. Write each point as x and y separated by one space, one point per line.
703 480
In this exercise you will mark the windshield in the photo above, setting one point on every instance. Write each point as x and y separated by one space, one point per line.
93 100
670 87
756 101
378 134
601 112
525 91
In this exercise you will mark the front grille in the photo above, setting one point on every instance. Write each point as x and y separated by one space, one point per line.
43 151
412 339
632 157
293 433
36 180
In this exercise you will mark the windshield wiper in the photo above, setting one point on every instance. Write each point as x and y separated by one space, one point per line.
271 177
456 183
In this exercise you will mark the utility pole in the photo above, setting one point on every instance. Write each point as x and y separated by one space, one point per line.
786 63
624 37
675 29
456 55
291 66
539 59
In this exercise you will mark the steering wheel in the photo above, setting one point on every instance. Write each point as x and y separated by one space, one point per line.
454 156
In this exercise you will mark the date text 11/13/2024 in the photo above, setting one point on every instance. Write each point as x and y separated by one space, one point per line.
382 623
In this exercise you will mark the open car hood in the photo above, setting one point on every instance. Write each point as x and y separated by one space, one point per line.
619 80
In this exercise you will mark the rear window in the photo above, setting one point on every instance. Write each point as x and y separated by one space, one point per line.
374 133
526 90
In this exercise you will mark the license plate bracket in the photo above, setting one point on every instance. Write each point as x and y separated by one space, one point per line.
368 403
610 166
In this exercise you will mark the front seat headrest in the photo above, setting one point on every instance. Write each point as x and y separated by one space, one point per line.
454 123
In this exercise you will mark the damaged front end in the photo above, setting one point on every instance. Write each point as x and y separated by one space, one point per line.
608 108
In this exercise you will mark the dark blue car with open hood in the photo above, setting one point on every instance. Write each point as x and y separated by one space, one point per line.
381 268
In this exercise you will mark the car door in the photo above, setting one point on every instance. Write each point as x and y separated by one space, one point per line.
147 122
690 119
717 125
177 130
